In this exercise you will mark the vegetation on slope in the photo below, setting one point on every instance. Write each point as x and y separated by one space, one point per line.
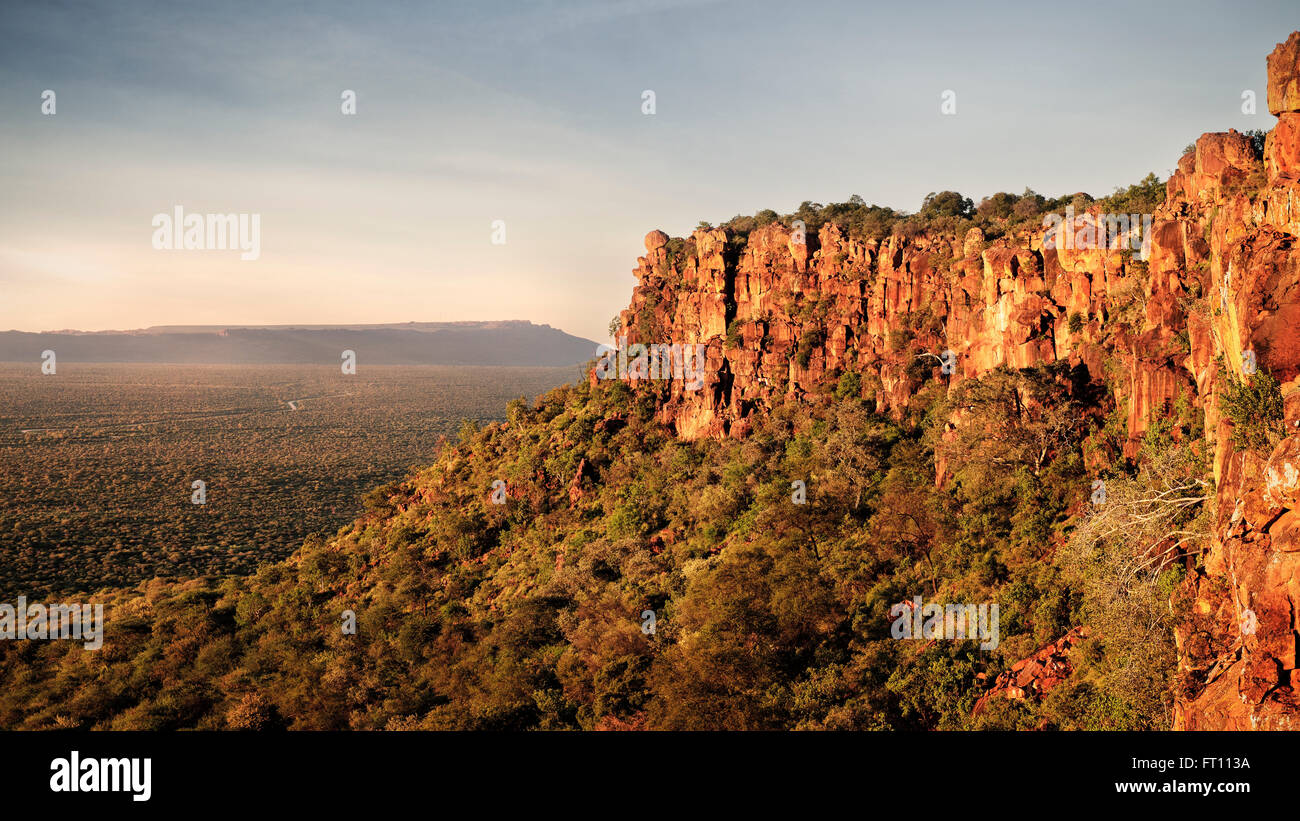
769 614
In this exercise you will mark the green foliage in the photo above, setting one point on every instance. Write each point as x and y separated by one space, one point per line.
999 206
946 212
1012 420
734 329
1004 212
1143 197
1254 407
528 615
849 385
1257 138
1029 206
897 339
810 341
379 500
857 219
946 204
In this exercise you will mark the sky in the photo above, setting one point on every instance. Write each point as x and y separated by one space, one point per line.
532 114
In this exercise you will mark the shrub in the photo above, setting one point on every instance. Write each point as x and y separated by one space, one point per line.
1143 197
850 386
897 339
1255 409
1257 139
807 343
734 333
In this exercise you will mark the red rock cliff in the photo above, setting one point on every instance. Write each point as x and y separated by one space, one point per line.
1238 652
781 314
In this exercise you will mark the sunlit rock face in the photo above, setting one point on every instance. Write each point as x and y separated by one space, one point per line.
1239 651
783 313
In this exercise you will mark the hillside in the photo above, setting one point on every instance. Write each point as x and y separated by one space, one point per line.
1097 439
513 343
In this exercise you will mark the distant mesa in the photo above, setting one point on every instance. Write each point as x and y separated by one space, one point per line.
501 342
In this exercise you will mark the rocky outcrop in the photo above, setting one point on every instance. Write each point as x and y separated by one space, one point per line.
1037 675
1282 149
783 314
1284 76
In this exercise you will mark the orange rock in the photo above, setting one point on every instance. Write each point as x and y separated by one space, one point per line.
1282 149
1037 675
1284 76
1219 161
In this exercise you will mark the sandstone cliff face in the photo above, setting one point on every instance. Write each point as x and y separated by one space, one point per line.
1238 652
781 314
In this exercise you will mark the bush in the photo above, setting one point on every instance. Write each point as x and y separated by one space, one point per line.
1143 197
807 343
999 206
734 333
1257 139
1255 409
897 339
850 386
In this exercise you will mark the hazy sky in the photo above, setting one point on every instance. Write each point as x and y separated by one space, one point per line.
531 113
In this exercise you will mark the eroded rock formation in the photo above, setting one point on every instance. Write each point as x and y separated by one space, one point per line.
781 316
